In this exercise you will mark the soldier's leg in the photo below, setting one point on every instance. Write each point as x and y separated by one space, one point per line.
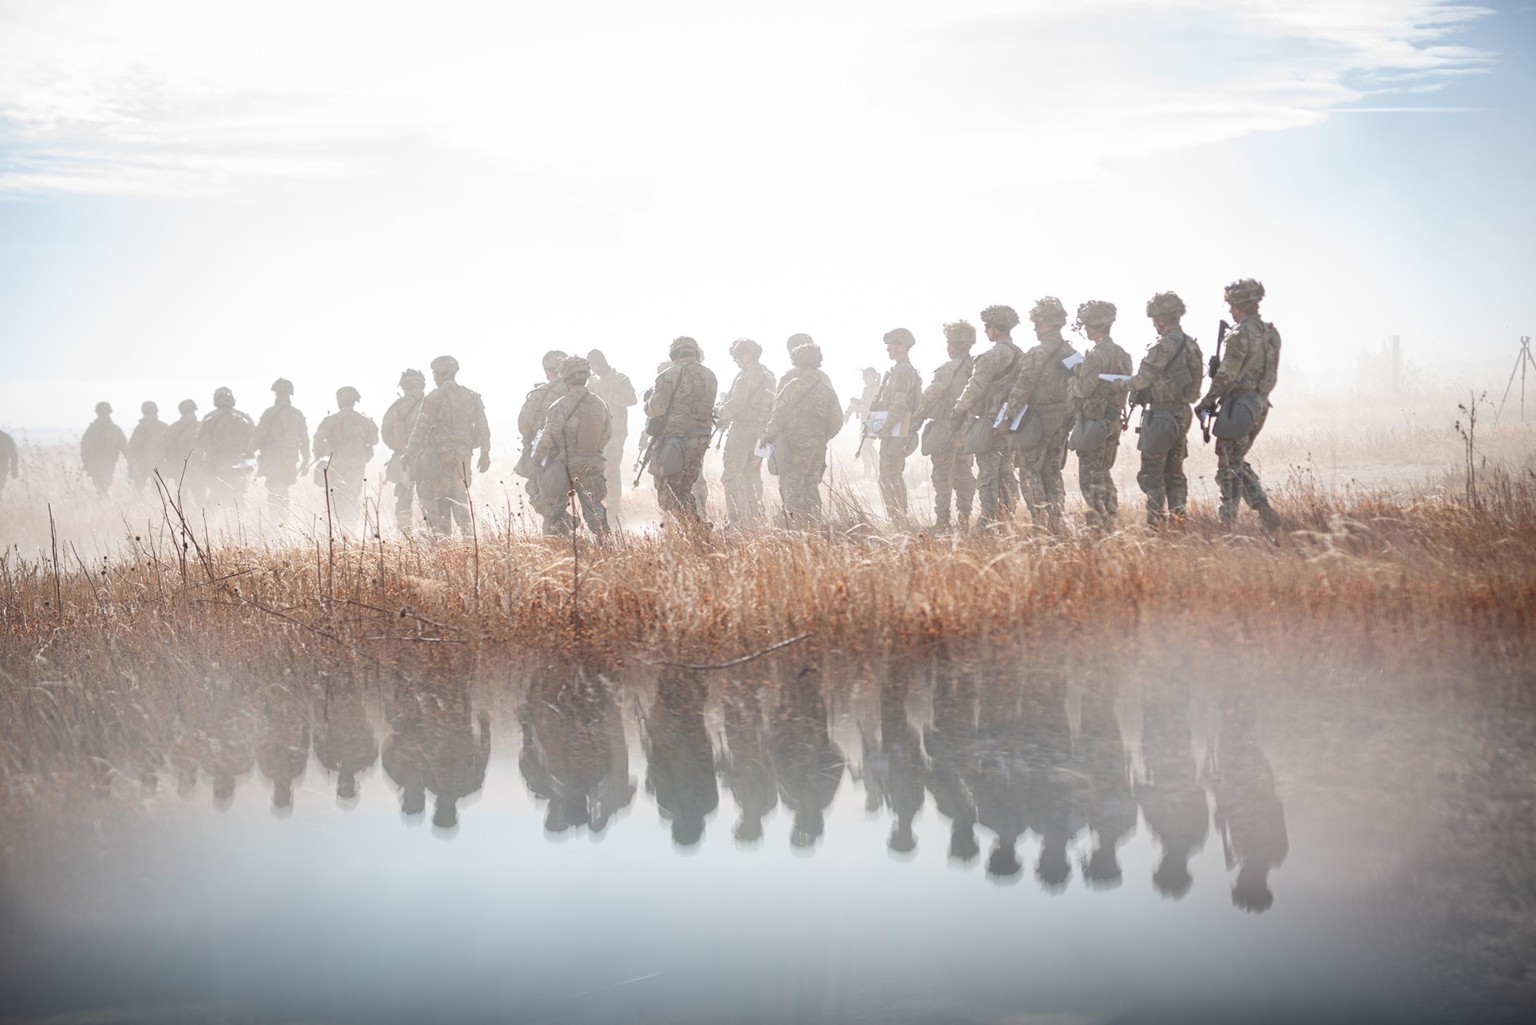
943 464
1228 478
813 457
1031 486
988 473
733 478
965 482
1090 473
893 488
1150 478
403 506
754 488
1111 492
458 496
613 473
1175 484
591 489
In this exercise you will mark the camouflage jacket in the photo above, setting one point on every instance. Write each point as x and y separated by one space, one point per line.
900 392
399 418
578 427
1251 360
348 437
1094 397
535 411
685 396
806 408
452 419
1044 379
225 435
101 444
991 380
8 455
1171 370
179 442
750 399
938 402
281 437
145 443
618 394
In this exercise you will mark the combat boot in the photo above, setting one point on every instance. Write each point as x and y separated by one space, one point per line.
1268 516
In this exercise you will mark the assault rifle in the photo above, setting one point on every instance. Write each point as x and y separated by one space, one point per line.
1214 366
645 459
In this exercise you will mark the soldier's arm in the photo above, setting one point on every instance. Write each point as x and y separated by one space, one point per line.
481 428
1087 382
623 390
1238 344
1153 365
976 388
660 401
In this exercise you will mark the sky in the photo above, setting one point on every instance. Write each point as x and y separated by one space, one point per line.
195 195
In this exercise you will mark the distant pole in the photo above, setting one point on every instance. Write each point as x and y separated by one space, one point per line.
1523 361
1397 362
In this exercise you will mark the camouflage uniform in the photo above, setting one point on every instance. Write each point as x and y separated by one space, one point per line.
281 443
534 414
145 446
984 394
900 392
223 442
684 396
954 470
395 430
859 408
578 429
806 415
1167 382
1097 399
1042 384
100 445
346 438
9 461
1248 368
179 446
744 415
618 394
450 426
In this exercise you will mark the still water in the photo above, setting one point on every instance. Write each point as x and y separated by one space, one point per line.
930 840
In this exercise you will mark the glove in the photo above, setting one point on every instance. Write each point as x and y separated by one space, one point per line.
1206 407
485 461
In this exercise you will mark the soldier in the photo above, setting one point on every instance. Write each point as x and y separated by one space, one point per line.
531 419
1242 385
792 343
859 408
618 394
983 398
179 448
399 418
1040 395
449 428
954 471
900 392
100 445
281 445
345 440
223 442
1167 382
744 415
1098 397
806 415
9 462
577 432
682 404
145 446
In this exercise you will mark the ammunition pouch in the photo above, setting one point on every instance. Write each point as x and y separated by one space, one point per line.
978 436
671 456
1239 413
1159 432
1088 434
553 483
1031 433
938 437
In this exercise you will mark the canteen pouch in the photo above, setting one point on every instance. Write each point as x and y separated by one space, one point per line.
1030 435
671 457
654 425
938 436
1087 434
428 465
1237 416
978 436
1159 432
525 467
554 482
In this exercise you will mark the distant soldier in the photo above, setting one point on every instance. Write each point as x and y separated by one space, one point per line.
1040 393
10 462
1098 394
345 440
179 449
399 418
576 432
983 397
744 415
859 409
1242 385
531 419
145 446
281 444
901 390
100 445
806 415
450 427
1167 382
954 471
792 343
223 442
618 394
683 404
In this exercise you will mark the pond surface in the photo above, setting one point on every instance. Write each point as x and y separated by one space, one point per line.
926 840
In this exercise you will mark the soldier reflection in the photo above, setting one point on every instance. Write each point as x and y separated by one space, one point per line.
951 741
1171 798
344 741
216 740
1110 805
680 768
894 768
458 748
746 763
404 755
998 776
574 753
282 749
1249 816
808 764
1052 780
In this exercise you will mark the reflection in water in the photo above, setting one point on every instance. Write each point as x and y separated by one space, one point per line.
1172 801
457 747
1248 812
951 740
894 768
746 762
680 762
282 749
344 740
1110 806
574 753
405 750
809 765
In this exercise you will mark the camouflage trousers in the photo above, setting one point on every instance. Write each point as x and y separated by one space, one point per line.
225 483
997 489
405 490
742 475
346 487
1162 477
893 484
954 473
591 487
1236 478
675 493
444 496
800 481
1040 483
613 473
1095 482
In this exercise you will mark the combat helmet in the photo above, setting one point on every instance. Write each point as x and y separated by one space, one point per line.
575 369
1244 291
796 340
1164 305
806 355
551 361
149 408
103 408
900 336
1001 317
1049 310
223 398
445 365
187 406
683 346
1096 313
412 374
962 331
746 347
347 393
282 386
